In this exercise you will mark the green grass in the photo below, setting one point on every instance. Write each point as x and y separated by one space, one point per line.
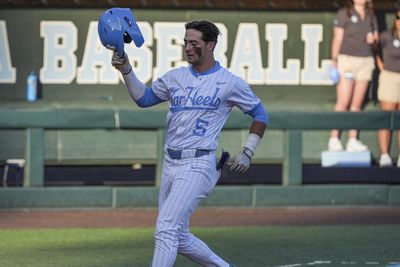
374 245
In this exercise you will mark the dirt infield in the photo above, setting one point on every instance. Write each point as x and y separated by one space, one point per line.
202 217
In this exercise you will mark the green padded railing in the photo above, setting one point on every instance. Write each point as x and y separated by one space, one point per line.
37 121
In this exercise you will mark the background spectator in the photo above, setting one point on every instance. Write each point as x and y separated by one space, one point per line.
389 85
355 31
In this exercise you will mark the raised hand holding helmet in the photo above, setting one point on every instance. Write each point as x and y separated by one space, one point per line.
121 63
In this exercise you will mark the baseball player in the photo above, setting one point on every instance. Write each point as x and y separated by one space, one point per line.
200 98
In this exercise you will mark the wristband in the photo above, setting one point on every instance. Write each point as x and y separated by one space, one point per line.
127 72
252 142
248 152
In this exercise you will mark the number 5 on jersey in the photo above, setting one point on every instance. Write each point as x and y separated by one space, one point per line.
200 127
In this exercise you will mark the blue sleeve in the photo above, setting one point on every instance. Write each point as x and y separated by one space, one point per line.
148 99
259 113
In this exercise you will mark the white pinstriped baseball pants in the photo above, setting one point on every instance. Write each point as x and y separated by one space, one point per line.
184 182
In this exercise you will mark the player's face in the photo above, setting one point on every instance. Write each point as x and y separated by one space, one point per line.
195 47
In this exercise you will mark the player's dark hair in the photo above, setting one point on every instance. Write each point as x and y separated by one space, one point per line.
208 29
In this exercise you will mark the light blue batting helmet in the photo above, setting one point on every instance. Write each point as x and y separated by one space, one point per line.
118 26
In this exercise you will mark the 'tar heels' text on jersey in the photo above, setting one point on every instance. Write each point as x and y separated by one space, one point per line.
191 98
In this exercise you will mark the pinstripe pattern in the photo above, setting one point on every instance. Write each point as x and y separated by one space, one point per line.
199 105
184 183
207 97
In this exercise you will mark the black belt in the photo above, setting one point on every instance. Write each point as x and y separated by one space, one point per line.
187 153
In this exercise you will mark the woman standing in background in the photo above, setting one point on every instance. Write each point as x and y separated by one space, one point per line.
389 85
355 31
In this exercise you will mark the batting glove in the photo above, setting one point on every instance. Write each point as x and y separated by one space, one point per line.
241 162
121 63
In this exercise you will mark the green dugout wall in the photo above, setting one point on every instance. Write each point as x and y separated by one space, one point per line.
35 124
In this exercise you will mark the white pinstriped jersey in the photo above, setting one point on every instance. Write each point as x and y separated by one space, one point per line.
199 104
